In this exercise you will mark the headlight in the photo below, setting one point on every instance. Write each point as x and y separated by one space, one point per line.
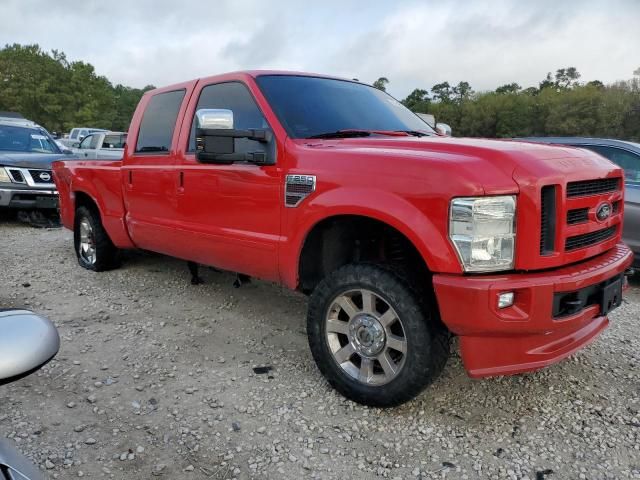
482 230
4 176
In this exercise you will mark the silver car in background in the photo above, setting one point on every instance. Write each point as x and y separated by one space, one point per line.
626 155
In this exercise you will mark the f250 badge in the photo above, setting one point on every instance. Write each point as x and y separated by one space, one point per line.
603 212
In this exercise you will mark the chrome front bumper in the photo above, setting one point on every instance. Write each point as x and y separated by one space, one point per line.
21 197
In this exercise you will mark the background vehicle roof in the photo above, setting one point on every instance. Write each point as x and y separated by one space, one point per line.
607 142
18 122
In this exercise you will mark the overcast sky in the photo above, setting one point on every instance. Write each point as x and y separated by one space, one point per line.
413 43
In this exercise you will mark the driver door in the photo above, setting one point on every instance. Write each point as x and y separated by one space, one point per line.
88 146
229 215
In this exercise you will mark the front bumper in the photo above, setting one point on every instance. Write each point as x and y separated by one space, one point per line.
27 197
525 336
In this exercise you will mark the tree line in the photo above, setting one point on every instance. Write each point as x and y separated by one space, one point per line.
59 94
560 105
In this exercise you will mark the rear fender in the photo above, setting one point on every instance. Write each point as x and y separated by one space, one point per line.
106 193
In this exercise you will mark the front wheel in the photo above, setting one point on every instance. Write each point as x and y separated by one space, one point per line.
372 338
93 247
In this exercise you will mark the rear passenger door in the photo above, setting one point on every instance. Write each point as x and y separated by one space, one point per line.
149 175
229 215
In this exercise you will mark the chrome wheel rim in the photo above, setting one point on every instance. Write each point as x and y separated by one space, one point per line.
87 245
366 337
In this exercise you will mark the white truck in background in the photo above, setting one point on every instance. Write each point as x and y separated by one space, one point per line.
101 145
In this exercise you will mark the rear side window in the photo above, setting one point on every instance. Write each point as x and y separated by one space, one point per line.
74 134
233 96
159 121
113 141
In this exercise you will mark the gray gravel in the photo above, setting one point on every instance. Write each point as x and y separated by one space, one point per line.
155 379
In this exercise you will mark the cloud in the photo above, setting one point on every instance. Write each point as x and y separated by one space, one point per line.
413 43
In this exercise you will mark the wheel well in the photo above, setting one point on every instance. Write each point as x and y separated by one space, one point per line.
340 240
84 200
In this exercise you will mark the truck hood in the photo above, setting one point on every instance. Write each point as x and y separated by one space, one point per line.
30 160
492 165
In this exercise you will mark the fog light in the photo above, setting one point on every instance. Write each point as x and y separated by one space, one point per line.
505 299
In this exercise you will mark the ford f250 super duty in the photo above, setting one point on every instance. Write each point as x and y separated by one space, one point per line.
401 237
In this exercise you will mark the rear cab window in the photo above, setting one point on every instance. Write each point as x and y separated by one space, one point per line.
158 122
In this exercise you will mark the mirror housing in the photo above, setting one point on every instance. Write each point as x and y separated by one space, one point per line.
14 466
443 129
214 118
28 342
215 139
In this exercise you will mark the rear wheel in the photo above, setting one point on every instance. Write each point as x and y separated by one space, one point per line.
372 338
93 247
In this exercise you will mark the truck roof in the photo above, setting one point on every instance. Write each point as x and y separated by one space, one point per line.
249 73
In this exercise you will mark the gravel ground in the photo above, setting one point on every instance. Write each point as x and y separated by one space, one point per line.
156 377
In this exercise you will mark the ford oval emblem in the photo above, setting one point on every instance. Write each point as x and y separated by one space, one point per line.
603 212
45 177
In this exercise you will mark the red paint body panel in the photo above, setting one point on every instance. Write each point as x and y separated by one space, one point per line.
233 217
525 336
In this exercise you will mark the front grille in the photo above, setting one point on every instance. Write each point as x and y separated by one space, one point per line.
588 239
592 187
16 175
41 176
577 215
548 220
616 207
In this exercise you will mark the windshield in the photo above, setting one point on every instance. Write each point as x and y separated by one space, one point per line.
30 140
311 106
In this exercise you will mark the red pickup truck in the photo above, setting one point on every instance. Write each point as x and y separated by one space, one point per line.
401 237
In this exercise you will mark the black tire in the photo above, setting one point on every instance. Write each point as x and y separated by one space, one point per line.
106 254
427 341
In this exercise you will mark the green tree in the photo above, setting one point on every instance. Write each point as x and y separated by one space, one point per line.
508 88
59 94
442 92
381 83
417 101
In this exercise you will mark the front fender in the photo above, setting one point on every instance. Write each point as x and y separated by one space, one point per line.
429 239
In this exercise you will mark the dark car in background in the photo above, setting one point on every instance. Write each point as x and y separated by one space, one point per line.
626 155
27 151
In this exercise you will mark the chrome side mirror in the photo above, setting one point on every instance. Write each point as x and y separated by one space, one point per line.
214 118
443 129
14 466
27 342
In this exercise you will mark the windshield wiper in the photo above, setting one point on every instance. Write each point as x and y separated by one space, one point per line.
343 134
415 133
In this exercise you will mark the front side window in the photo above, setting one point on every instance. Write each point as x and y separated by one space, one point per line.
90 142
628 161
309 106
159 121
29 140
232 96
74 134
